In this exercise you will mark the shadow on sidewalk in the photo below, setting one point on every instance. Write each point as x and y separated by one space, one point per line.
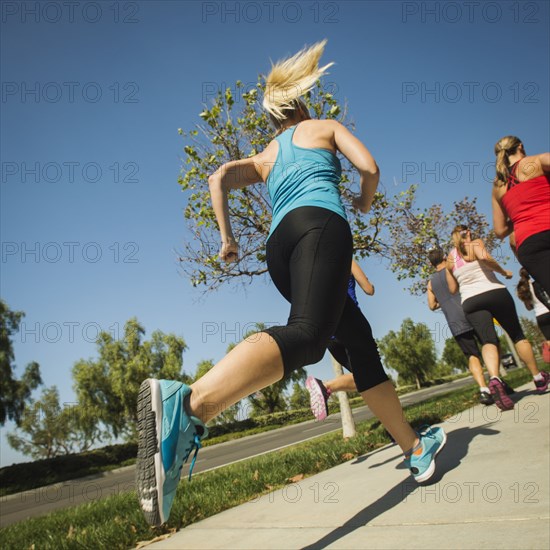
519 395
362 458
449 458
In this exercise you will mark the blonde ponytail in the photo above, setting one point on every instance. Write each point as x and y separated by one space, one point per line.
290 79
524 289
458 238
504 147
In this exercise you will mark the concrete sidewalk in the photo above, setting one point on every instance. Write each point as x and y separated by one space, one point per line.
491 490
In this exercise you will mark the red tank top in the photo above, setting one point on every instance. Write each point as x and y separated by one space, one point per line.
527 204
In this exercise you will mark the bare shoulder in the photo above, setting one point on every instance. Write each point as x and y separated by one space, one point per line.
475 249
333 126
316 133
265 160
325 126
272 147
530 167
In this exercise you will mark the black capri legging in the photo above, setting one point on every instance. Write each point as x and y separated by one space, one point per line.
534 256
309 257
355 349
498 303
543 321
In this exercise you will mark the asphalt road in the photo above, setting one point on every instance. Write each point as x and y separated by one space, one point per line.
43 500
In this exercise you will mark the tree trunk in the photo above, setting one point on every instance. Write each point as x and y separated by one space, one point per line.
418 385
348 425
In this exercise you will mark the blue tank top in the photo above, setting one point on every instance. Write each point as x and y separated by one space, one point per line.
303 177
351 290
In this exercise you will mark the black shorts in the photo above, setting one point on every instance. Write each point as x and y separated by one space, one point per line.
498 304
468 344
534 256
543 321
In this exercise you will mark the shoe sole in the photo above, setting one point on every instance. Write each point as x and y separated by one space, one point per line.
488 403
316 399
542 389
431 468
149 471
501 399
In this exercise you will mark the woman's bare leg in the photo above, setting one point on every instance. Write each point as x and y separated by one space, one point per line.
525 352
491 358
341 383
256 363
382 400
250 366
474 364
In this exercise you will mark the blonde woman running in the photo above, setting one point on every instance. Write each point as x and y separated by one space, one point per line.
309 253
471 269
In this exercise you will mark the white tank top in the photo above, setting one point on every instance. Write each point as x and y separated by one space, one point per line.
473 277
539 307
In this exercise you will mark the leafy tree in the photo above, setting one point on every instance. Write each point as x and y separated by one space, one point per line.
413 231
202 368
440 370
453 356
269 400
231 414
51 429
299 398
234 126
410 352
229 133
14 393
107 387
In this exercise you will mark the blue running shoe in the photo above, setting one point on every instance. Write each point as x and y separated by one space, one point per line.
421 461
167 437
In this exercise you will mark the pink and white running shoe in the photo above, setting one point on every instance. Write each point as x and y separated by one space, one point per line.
318 397
500 397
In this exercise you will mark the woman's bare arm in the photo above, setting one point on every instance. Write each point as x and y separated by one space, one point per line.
501 224
231 175
482 255
362 159
452 283
544 159
361 278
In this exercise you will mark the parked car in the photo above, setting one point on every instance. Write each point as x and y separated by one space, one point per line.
508 361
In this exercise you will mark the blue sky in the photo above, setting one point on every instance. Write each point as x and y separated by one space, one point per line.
93 95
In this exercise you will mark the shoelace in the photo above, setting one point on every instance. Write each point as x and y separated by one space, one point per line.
196 445
425 431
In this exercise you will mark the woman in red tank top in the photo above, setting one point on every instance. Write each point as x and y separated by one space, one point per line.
521 203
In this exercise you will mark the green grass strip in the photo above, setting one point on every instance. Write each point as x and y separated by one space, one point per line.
117 522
